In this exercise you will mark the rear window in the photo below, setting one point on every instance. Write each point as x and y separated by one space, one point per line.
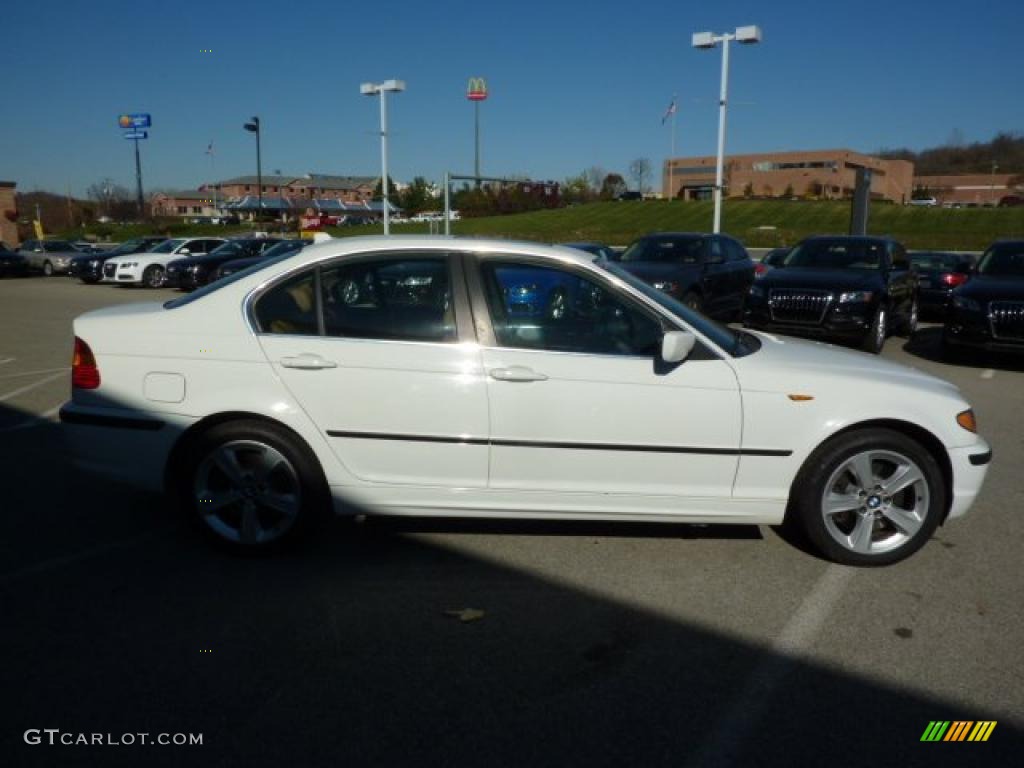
685 250
213 287
936 260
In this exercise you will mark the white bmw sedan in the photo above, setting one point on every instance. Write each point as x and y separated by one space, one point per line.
148 269
435 376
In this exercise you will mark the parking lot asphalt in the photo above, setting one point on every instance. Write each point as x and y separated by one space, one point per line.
598 644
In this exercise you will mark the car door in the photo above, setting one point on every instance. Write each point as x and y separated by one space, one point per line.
370 347
901 281
715 277
741 273
579 400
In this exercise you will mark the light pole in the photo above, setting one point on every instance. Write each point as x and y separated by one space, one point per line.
992 185
373 89
748 36
253 126
476 92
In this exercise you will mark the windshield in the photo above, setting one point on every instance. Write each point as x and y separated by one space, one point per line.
936 260
686 250
1003 260
233 248
736 344
169 246
209 288
837 254
284 247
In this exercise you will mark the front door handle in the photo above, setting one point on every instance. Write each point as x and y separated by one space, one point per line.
516 373
307 362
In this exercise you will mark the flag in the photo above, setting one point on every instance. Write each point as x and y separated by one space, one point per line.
670 111
209 149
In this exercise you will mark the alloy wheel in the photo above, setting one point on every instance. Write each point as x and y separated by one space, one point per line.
875 502
247 492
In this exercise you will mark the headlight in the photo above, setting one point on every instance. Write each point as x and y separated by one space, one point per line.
94 262
962 302
666 285
850 297
757 291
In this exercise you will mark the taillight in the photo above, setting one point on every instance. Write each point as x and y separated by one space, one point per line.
84 373
759 269
954 278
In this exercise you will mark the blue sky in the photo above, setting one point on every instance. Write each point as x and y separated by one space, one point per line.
573 84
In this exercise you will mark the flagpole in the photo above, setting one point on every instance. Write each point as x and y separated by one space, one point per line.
672 154
213 180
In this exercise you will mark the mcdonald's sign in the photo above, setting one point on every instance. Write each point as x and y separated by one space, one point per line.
477 89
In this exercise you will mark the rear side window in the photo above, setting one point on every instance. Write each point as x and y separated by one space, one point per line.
734 251
396 299
289 307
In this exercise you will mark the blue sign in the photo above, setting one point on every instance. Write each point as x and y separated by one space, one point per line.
135 120
136 134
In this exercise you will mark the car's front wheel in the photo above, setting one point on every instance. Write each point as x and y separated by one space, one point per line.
251 486
869 497
876 335
153 276
47 269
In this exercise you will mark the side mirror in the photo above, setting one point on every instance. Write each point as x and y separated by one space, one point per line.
676 346
185 252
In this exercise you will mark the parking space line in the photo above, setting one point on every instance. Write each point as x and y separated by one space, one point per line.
732 732
5 360
32 373
988 373
29 387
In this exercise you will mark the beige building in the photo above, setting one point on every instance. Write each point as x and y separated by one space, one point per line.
8 214
183 204
968 189
828 174
349 189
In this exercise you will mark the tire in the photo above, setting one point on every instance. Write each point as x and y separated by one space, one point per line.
694 301
270 496
863 523
47 269
874 340
910 325
153 276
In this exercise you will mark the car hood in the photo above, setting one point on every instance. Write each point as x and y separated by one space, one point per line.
790 365
985 288
649 271
825 279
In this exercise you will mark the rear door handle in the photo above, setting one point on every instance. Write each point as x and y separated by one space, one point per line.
307 362
516 373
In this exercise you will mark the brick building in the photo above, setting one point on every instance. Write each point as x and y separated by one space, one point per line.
349 189
183 204
968 189
828 174
8 214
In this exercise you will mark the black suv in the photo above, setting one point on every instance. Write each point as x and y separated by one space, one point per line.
855 289
708 273
987 312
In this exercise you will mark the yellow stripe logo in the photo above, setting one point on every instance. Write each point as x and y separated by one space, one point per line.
958 730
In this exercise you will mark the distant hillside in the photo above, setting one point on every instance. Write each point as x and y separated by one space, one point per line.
1006 150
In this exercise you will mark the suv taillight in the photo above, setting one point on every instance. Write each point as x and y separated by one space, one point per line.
84 373
954 278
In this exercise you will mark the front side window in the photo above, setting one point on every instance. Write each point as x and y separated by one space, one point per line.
169 246
542 308
394 299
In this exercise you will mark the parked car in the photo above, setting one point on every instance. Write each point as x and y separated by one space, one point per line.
600 250
89 267
708 273
928 202
772 259
987 312
854 289
51 257
194 271
410 402
938 274
11 262
283 248
147 269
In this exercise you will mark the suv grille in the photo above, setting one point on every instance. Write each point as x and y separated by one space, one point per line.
109 269
1007 318
796 306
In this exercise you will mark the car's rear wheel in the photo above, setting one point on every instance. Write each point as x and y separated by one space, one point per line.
251 487
869 497
153 276
48 269
875 338
910 325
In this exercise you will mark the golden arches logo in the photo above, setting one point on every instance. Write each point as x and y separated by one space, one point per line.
477 89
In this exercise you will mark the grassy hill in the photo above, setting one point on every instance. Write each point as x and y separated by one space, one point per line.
757 223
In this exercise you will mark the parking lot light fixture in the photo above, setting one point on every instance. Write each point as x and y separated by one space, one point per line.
253 126
382 89
748 35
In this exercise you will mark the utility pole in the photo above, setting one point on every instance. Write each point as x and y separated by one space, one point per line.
138 181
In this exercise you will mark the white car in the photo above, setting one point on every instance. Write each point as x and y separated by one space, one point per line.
148 269
437 376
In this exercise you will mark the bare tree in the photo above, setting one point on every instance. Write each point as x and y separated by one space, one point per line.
638 170
107 193
595 177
